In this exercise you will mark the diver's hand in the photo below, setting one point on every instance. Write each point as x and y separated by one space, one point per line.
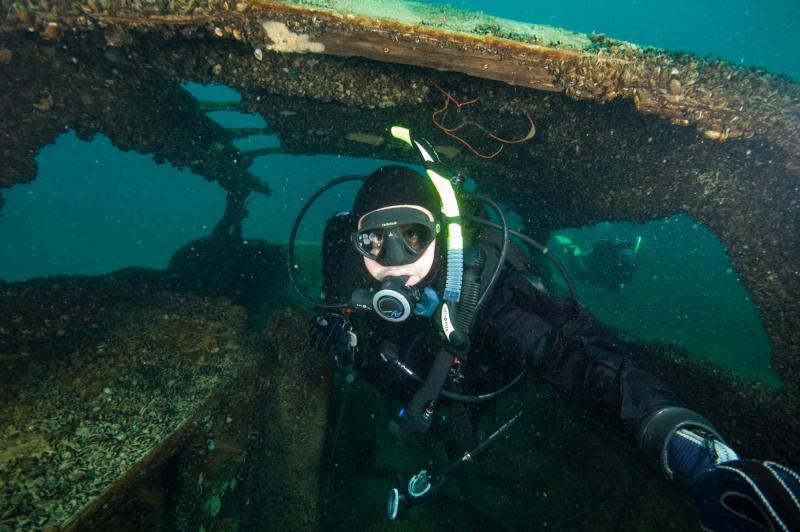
326 331
329 332
749 495
730 493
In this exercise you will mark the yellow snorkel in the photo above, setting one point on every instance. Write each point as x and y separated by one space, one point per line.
455 238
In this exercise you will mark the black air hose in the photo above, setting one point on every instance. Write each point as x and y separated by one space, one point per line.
470 291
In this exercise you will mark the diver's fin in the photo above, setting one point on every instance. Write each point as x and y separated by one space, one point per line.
568 245
637 245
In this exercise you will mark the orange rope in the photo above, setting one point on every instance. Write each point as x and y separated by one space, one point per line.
452 131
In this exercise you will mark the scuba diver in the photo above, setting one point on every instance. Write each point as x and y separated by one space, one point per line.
432 302
607 262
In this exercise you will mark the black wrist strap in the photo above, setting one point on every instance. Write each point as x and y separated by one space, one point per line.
658 427
414 419
433 383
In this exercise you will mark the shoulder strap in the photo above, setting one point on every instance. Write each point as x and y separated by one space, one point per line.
492 242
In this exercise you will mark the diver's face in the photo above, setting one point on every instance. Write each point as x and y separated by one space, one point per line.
416 270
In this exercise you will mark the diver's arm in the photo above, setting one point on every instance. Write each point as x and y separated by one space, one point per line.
571 350
730 493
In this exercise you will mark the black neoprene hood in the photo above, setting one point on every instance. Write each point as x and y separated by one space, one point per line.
396 185
400 185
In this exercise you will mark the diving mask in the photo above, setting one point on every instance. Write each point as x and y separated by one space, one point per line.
394 236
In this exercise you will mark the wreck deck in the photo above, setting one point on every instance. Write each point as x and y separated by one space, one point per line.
103 382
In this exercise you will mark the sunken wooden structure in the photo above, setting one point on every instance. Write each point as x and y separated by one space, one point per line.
128 404
611 131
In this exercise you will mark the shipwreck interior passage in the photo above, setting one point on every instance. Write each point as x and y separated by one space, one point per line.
94 209
168 392
683 290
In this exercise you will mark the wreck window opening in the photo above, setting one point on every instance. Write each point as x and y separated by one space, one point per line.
236 119
257 142
121 209
223 105
212 92
684 291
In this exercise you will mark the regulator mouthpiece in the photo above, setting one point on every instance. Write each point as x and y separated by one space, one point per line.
393 301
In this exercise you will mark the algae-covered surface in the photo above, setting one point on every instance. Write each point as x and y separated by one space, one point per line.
453 19
102 377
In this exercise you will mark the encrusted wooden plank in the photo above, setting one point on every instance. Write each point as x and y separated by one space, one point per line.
102 381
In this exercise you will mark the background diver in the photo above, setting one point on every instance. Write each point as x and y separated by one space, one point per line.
607 262
439 311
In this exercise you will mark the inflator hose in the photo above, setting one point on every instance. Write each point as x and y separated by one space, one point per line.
503 226
453 396
293 236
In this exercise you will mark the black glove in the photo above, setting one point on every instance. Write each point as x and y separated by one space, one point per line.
329 332
734 494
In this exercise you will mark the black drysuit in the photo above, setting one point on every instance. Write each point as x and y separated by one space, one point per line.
568 348
521 325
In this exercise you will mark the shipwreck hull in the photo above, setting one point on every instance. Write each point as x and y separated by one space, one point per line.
622 133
